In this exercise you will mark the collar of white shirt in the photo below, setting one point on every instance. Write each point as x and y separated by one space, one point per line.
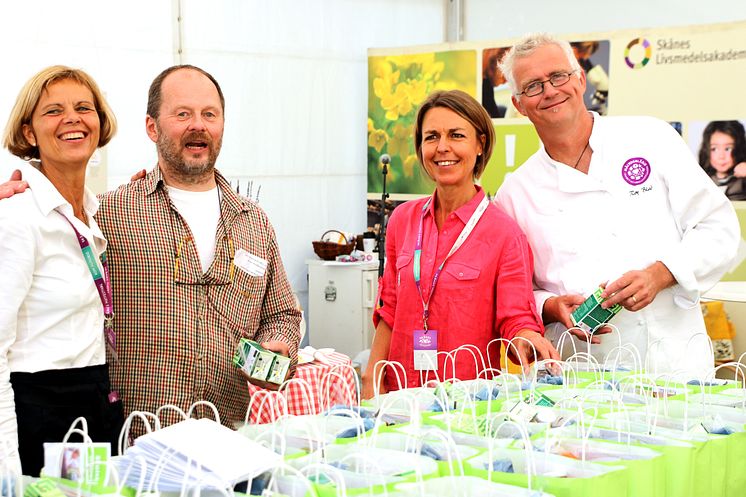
47 198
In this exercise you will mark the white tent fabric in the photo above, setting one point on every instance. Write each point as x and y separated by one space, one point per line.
294 74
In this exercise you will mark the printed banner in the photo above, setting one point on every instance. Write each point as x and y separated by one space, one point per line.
688 76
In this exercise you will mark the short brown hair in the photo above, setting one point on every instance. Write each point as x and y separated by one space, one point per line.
155 95
28 99
467 107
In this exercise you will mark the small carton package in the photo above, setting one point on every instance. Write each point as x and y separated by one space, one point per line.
259 363
590 315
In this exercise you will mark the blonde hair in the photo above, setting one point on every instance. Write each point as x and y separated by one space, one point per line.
28 98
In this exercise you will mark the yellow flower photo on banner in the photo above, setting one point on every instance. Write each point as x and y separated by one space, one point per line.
397 86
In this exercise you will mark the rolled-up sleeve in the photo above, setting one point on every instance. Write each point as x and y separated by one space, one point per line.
388 282
515 308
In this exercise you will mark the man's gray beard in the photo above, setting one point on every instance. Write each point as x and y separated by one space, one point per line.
188 173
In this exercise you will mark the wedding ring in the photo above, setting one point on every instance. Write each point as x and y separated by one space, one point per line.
634 300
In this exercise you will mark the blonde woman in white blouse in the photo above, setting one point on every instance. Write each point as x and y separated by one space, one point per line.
56 292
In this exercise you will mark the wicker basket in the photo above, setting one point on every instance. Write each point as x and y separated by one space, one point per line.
330 250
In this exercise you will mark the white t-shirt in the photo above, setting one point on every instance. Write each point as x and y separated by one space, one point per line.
201 211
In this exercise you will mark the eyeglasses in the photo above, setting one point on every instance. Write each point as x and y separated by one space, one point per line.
556 80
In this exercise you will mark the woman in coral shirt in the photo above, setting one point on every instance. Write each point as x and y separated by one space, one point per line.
458 269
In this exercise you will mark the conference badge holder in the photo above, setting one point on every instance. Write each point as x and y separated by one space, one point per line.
425 350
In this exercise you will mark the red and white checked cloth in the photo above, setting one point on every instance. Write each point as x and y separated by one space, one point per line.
328 385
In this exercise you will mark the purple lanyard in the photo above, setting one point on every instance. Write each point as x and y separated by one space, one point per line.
457 244
103 285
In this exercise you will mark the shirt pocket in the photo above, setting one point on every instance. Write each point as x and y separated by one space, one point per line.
459 280
240 302
249 286
403 264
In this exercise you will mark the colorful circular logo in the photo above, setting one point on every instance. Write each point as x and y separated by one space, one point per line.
636 171
648 53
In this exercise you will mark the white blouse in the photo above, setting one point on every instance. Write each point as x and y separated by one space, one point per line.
51 316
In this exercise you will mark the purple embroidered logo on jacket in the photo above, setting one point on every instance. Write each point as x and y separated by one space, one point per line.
636 171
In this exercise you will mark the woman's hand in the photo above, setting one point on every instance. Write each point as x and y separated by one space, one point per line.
532 342
138 175
379 351
14 185
368 386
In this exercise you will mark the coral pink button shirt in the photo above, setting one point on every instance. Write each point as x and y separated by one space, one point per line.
484 291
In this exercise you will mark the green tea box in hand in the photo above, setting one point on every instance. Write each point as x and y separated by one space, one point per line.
262 364
590 315
279 370
246 355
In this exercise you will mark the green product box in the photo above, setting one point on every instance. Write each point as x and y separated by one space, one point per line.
539 399
262 364
590 315
279 370
259 363
246 355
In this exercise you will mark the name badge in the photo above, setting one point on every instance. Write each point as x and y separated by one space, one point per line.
425 350
255 266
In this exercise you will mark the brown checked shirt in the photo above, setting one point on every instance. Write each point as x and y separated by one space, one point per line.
176 327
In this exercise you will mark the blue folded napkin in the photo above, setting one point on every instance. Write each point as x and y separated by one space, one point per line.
487 393
354 431
550 379
339 410
501 465
428 450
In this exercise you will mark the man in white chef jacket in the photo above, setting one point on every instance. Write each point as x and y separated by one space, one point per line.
615 201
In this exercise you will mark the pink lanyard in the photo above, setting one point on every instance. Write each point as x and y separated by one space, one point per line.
103 285
459 241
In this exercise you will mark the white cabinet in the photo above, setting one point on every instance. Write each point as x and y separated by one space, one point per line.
341 299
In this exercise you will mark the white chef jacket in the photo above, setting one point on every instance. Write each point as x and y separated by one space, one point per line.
51 316
585 230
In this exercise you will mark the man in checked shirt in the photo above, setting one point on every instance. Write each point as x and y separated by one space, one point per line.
194 267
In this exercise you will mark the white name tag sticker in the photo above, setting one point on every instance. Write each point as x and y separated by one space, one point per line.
251 264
